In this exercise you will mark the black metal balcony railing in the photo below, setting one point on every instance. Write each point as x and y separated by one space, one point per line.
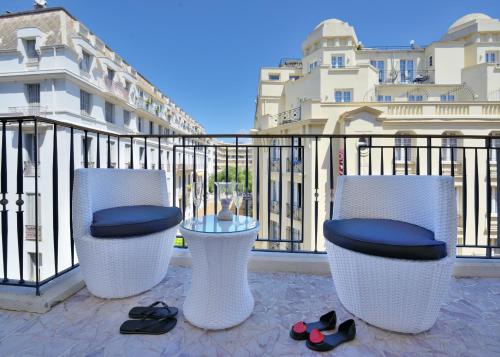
469 161
424 76
288 116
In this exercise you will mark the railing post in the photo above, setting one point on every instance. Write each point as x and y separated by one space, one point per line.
20 202
55 201
4 201
37 262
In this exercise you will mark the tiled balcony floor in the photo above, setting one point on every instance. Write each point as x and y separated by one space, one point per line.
469 324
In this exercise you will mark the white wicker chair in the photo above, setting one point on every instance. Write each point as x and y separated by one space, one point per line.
395 294
120 267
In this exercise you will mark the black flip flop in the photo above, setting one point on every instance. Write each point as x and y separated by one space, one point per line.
301 330
322 343
160 312
148 326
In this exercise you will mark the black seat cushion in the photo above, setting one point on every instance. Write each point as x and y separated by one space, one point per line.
385 238
130 221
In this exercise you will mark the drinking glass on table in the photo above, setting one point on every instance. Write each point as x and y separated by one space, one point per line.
197 197
238 196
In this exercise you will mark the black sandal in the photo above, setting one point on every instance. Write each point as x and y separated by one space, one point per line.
301 330
319 342
148 326
165 311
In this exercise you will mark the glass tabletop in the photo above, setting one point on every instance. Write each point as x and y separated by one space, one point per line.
210 224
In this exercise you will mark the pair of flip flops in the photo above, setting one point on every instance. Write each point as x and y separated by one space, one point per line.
150 320
316 340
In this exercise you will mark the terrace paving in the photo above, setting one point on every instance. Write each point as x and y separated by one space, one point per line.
83 325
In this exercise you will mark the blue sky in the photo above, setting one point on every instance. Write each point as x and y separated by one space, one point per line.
206 55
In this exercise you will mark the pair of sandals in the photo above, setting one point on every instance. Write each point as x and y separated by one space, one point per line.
150 320
316 340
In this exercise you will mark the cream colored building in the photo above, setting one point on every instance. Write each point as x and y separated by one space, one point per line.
339 86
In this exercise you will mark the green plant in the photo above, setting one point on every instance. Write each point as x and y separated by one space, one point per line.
221 177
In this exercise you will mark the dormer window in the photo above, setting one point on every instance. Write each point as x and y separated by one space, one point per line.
86 62
31 53
338 62
274 77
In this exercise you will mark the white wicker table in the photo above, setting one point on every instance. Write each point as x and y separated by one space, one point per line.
220 296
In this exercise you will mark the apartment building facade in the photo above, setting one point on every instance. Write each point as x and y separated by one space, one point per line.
52 66
450 87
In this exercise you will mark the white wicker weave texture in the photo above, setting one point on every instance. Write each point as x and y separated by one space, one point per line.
120 267
395 294
219 297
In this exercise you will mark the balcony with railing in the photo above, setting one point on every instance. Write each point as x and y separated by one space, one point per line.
115 88
421 76
288 116
472 301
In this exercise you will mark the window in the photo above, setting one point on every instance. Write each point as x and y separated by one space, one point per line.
406 70
274 77
87 145
430 61
86 62
85 103
126 117
31 211
31 52
449 152
151 127
109 111
402 150
297 195
297 150
293 78
313 65
491 57
127 156
342 96
139 124
447 98
141 154
127 86
415 98
111 74
381 71
275 152
495 145
33 94
274 191
384 98
337 61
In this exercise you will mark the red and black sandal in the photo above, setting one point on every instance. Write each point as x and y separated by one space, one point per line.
301 330
322 343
